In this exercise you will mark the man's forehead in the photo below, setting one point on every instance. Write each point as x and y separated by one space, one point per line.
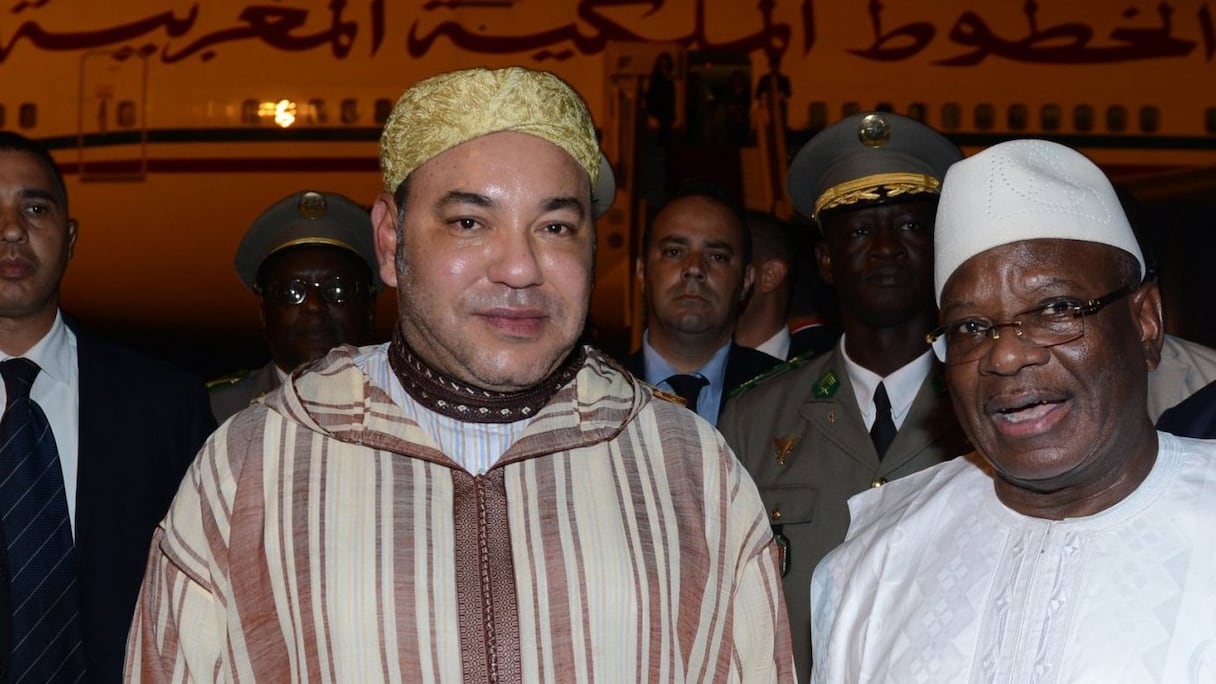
925 205
1032 265
685 231
36 178
504 148
308 259
693 237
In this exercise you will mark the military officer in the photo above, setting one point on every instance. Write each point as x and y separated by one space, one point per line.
874 407
310 257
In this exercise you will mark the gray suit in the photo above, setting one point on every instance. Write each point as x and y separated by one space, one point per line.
802 438
231 397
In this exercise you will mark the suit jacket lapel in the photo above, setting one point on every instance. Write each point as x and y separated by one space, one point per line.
832 409
929 420
91 475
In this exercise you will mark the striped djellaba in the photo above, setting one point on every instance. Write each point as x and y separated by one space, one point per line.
323 537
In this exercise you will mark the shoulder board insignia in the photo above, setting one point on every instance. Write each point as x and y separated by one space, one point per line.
227 380
779 369
827 385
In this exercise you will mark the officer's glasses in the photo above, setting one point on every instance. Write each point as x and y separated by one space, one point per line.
1053 323
334 290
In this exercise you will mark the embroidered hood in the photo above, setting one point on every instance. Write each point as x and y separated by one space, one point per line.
335 398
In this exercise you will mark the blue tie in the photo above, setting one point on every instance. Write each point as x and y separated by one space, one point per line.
41 557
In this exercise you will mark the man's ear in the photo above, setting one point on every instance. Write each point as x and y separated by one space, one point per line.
384 224
1146 312
71 237
770 275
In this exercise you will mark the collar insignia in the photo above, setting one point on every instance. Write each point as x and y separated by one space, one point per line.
827 385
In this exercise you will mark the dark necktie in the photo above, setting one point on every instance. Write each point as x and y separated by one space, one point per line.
38 536
688 387
883 431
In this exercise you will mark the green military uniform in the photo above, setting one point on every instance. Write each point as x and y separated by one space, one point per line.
801 434
802 438
229 396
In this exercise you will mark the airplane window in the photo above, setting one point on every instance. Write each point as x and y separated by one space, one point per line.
384 107
1116 118
1049 117
1150 119
316 111
917 111
985 116
884 107
27 116
1209 119
350 110
126 114
249 112
850 108
952 116
1083 118
1017 117
818 115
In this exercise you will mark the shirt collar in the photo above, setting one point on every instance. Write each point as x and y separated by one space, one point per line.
53 353
902 385
657 369
778 345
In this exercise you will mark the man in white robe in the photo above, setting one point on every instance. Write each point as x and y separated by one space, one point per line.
1077 544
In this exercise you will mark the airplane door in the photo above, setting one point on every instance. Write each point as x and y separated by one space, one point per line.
639 163
112 131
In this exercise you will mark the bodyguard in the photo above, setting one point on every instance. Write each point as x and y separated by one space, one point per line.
311 259
874 408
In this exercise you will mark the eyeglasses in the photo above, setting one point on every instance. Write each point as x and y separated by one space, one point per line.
1053 323
334 290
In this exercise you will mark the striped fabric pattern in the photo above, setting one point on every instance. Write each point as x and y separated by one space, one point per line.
324 537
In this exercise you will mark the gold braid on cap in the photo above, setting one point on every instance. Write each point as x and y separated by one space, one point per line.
874 188
444 111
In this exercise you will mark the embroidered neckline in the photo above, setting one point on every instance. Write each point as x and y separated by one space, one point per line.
455 399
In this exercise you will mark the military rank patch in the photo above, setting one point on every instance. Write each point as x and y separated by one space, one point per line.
827 385
784 446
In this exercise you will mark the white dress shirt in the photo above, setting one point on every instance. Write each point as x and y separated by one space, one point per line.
778 345
57 391
902 385
475 446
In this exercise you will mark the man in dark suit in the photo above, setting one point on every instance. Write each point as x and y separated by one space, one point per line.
1194 417
695 269
115 430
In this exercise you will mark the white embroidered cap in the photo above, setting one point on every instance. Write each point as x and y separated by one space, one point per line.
1025 190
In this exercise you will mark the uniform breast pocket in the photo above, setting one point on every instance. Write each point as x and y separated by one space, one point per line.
791 509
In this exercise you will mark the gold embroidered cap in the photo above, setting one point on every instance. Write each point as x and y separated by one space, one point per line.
307 218
443 111
869 158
